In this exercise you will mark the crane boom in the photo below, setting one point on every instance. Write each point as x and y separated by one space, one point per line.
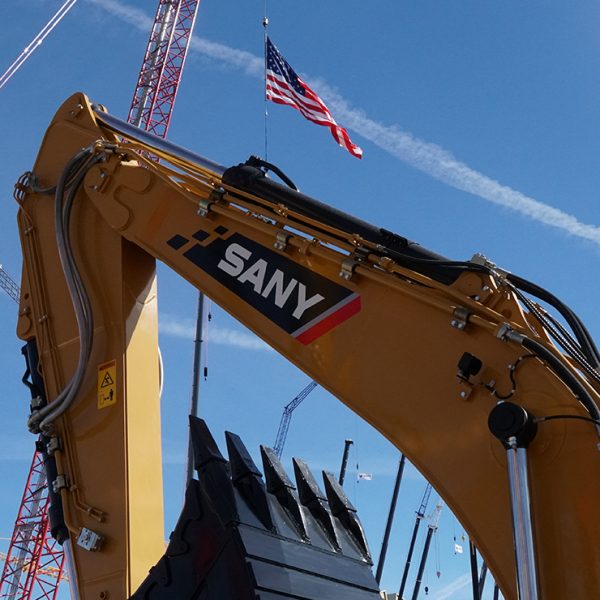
9 285
286 418
432 527
413 538
434 517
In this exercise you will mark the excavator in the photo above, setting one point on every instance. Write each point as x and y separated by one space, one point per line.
487 382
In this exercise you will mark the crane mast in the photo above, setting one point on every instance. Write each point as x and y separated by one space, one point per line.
34 561
160 74
432 527
413 539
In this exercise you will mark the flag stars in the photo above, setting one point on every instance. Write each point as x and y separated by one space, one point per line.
283 86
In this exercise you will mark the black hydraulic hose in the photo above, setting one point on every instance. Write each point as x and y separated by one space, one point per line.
406 253
561 335
581 333
256 161
563 372
253 180
247 177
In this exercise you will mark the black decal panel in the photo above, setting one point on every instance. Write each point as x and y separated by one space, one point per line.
292 296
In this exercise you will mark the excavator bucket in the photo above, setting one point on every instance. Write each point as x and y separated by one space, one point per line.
242 538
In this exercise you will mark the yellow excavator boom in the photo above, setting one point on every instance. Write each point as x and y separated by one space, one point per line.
423 348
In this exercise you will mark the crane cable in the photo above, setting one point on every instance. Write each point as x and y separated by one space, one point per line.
36 42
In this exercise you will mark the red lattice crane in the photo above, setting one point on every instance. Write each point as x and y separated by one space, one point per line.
33 565
158 81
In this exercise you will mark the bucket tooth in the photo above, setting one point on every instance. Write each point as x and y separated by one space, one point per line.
213 470
312 497
220 549
205 448
248 479
342 509
280 485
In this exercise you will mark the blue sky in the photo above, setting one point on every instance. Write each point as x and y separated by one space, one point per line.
479 126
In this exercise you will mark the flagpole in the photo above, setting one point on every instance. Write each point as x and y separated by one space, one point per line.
265 28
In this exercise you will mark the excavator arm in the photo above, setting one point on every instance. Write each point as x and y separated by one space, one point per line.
421 347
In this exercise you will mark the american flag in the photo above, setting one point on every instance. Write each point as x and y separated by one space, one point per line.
285 87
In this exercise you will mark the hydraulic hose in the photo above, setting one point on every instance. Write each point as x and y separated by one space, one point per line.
563 372
71 177
581 333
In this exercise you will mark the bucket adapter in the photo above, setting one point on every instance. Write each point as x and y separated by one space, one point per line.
239 538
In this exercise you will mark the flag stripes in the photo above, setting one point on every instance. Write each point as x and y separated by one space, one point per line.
283 86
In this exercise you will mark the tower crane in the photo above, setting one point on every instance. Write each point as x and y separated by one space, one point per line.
32 550
413 539
33 565
432 527
284 424
34 561
160 74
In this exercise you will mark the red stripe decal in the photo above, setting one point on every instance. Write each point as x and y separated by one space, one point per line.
331 321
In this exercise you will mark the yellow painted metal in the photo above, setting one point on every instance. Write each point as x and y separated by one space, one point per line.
111 455
394 362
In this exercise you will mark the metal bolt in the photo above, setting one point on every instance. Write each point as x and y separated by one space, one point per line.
76 110
463 394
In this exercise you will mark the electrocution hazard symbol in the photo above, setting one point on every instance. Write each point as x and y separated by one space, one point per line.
107 384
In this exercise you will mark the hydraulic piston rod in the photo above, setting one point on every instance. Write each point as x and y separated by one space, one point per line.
516 428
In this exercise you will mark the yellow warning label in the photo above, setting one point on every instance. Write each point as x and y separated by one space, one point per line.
107 384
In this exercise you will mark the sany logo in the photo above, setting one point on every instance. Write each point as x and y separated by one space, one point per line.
301 301
234 264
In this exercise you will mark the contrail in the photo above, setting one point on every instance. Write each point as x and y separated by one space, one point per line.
186 328
442 165
454 586
429 158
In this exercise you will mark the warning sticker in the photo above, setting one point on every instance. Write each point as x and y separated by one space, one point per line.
107 384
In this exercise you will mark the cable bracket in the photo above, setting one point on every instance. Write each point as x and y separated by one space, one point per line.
281 240
60 483
205 204
460 317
